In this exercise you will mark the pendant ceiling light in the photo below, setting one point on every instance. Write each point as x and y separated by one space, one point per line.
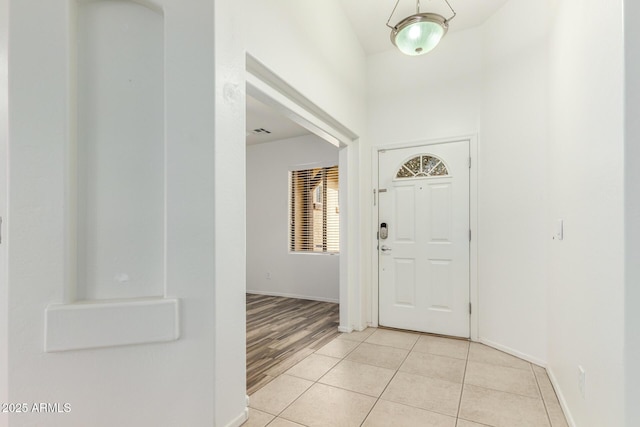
420 33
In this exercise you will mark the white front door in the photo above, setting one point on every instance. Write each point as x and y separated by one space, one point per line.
424 257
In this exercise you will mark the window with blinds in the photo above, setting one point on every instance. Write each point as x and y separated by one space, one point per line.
314 212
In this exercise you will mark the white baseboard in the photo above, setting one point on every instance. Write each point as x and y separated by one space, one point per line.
513 352
561 399
345 329
240 419
279 294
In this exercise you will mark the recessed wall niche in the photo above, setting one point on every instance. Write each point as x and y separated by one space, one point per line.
120 151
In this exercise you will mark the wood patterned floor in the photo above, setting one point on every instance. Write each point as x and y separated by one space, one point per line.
283 331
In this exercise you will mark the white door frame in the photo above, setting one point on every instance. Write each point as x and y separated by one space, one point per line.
473 223
270 89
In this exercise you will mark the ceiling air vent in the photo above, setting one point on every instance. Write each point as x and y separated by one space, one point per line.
260 131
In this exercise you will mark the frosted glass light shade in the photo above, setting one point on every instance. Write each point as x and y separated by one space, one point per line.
420 33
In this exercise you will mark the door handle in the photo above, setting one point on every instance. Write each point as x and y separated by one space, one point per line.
385 248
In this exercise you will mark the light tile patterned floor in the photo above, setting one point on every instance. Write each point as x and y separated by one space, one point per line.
386 378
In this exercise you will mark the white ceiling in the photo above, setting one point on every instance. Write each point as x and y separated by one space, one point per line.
260 116
368 17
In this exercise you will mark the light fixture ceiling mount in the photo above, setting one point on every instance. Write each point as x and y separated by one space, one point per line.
420 33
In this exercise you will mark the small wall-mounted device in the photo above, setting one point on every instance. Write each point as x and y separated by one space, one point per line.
559 234
384 231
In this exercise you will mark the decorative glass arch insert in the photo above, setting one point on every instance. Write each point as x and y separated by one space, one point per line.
422 166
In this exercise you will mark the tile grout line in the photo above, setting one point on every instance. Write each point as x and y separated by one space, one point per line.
464 376
394 375
316 381
544 402
500 365
507 392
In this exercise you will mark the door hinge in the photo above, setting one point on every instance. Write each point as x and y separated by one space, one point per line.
469 162
469 234
374 197
469 308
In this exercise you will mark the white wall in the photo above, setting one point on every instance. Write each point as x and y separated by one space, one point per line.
632 213
313 49
166 384
586 269
199 379
298 275
229 217
121 169
435 95
512 181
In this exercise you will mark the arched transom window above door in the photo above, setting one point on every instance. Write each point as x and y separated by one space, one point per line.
422 166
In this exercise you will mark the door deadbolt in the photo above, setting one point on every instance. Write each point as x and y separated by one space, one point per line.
384 231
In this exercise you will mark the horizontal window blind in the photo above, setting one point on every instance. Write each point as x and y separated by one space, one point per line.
314 211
